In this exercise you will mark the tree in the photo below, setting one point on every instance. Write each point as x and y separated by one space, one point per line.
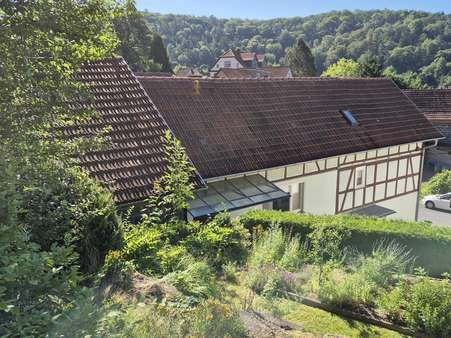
343 68
300 59
174 189
369 66
43 44
160 54
439 184
136 40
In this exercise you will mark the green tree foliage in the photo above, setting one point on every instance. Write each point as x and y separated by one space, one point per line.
174 189
300 59
369 66
42 46
439 184
142 48
409 41
35 285
343 68
159 53
70 204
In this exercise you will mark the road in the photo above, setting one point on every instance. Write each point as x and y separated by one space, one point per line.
437 217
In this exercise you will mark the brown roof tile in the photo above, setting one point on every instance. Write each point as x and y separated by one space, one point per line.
234 126
135 158
253 73
434 103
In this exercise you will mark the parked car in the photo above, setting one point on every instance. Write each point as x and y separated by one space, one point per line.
438 201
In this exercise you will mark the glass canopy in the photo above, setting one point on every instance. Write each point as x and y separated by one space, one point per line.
232 194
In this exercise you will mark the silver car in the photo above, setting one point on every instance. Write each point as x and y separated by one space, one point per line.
438 201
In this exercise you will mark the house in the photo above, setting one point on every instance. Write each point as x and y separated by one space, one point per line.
316 145
234 58
191 72
257 73
436 105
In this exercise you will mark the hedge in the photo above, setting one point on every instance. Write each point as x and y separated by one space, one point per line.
431 245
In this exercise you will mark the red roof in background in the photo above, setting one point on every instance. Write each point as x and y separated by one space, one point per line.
135 159
235 126
434 103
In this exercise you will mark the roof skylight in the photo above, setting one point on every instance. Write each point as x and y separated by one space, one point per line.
347 114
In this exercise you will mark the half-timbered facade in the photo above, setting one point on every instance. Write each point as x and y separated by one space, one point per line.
322 146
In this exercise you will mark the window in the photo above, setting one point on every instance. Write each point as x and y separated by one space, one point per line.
359 177
347 114
227 64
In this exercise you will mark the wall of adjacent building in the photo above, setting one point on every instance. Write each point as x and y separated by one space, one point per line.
390 177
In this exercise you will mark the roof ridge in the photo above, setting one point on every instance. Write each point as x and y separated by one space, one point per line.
280 79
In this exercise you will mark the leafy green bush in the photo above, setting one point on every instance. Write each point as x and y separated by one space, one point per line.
431 245
424 304
67 203
194 279
219 241
229 271
35 286
439 184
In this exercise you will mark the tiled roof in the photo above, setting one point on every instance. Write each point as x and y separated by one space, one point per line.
434 103
253 73
235 126
136 157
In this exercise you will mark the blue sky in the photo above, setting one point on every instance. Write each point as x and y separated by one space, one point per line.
263 9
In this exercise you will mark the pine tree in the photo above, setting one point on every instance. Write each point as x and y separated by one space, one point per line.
300 59
160 54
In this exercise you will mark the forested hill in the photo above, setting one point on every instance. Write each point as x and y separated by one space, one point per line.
406 40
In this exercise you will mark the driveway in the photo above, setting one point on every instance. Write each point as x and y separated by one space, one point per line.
437 217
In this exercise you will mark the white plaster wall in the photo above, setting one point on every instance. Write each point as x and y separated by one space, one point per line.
233 63
404 206
319 191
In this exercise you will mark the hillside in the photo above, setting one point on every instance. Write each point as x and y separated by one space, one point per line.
409 41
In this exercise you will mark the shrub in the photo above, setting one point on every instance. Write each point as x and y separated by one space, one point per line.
431 245
219 241
35 286
194 279
424 304
439 184
229 272
68 203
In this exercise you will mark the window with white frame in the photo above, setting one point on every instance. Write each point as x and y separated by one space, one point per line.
227 64
360 177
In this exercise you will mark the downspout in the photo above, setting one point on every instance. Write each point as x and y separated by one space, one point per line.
420 178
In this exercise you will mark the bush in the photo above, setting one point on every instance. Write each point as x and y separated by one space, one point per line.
219 241
439 184
35 286
431 245
229 272
67 203
194 279
424 304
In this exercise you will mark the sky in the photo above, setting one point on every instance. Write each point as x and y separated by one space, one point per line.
264 9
